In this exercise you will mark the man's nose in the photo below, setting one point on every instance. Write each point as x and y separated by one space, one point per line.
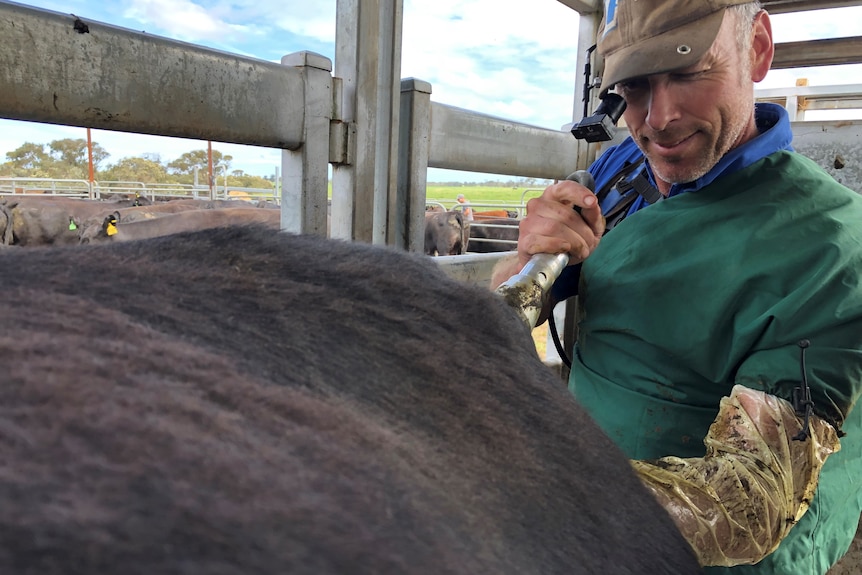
663 105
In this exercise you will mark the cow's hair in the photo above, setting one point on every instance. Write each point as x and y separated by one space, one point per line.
238 401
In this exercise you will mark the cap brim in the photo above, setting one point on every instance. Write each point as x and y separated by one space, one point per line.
661 54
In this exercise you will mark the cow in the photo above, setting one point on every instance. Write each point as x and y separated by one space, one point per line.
53 220
494 214
494 235
112 229
159 209
6 232
446 233
242 401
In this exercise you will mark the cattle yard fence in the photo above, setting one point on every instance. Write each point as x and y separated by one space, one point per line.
97 189
378 133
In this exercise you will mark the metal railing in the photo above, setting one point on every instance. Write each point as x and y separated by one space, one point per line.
45 186
153 191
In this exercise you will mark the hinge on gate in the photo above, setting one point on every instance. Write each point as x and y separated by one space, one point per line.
342 142
342 134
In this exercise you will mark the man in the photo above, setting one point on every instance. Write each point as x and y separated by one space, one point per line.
465 206
725 306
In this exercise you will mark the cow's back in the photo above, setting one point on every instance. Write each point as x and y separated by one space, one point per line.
238 401
494 235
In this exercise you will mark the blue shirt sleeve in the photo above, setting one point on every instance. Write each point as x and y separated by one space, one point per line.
603 169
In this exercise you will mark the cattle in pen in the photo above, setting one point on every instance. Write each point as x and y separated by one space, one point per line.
113 229
243 401
446 233
494 235
52 220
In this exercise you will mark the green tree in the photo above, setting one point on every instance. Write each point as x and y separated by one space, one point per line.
135 170
240 179
66 158
28 160
186 164
71 157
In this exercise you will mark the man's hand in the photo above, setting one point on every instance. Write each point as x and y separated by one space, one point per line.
553 225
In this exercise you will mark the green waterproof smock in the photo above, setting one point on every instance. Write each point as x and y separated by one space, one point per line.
715 288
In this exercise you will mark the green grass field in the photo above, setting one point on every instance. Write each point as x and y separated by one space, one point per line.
481 194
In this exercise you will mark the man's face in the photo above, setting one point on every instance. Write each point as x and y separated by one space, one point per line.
686 120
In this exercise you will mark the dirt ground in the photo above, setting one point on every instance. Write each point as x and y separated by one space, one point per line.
851 564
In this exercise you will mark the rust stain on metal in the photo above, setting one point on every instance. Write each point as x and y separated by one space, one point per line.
101 114
80 26
839 162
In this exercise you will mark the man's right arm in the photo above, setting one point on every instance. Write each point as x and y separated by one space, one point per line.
566 218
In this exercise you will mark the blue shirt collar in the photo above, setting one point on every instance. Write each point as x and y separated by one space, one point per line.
772 122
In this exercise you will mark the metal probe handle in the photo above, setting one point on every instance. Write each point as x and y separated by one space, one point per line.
528 290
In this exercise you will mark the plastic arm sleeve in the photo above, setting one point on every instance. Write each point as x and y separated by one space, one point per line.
736 504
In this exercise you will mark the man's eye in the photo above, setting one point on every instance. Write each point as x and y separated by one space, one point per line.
688 75
631 87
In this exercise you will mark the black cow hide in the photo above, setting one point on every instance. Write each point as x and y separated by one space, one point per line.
238 401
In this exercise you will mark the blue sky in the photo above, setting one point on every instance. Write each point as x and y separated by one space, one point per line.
509 58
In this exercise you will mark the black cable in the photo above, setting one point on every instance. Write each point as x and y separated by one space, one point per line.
802 402
552 327
588 81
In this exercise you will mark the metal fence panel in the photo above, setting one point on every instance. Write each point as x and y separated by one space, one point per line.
61 69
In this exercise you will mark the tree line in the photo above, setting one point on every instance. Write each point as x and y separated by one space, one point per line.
68 159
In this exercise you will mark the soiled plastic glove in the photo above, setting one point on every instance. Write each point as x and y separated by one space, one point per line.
736 504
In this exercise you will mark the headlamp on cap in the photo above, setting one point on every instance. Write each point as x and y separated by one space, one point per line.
601 126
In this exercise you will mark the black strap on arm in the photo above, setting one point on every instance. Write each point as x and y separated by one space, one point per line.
640 184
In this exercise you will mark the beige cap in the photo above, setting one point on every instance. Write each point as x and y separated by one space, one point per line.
643 37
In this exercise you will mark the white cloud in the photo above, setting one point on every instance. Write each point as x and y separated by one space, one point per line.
182 19
314 19
507 58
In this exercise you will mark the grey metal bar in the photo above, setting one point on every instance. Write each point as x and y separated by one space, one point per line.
305 180
408 224
368 60
465 140
471 268
833 91
826 52
62 69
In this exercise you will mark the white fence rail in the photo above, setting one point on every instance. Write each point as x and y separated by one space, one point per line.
45 186
153 191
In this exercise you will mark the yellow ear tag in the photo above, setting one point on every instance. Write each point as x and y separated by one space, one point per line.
111 229
72 225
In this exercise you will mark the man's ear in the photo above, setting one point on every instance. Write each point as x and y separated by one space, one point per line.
762 47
